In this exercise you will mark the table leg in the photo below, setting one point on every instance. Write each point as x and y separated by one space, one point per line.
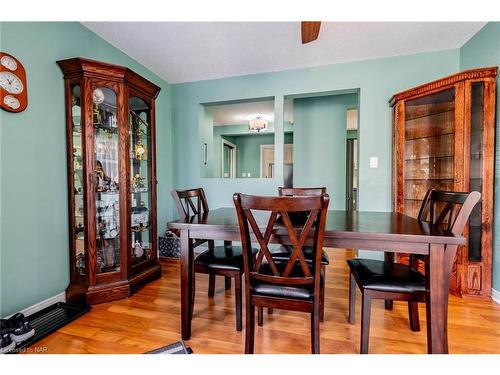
389 257
186 284
438 272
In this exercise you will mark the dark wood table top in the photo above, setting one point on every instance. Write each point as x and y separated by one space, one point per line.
366 225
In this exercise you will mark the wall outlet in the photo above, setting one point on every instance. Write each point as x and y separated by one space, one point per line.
248 174
373 162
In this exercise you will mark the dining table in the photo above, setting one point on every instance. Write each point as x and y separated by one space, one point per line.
388 232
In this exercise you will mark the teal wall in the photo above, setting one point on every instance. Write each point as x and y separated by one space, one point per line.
377 80
481 51
319 152
228 132
248 153
206 136
34 256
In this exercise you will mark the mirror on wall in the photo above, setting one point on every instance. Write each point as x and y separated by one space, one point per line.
237 139
321 144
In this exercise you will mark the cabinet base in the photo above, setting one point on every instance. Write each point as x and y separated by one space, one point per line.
92 295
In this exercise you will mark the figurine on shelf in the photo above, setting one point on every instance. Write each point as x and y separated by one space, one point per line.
140 151
80 263
138 250
79 229
98 98
101 179
100 262
113 186
138 183
137 121
102 228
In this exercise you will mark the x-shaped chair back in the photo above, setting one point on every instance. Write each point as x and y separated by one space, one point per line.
448 209
190 202
298 233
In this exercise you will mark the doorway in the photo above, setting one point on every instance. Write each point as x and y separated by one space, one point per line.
351 190
228 159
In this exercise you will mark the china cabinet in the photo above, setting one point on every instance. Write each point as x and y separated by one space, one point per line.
110 122
443 137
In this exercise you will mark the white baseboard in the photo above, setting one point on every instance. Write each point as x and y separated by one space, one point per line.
495 295
61 297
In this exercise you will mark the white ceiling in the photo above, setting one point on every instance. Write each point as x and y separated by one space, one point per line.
192 51
242 113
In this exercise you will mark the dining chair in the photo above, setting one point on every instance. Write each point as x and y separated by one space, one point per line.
391 281
284 251
224 260
292 284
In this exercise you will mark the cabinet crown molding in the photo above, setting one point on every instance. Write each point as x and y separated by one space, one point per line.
481 73
81 66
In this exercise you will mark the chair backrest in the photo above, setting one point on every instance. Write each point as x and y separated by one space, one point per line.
301 192
448 209
281 272
185 205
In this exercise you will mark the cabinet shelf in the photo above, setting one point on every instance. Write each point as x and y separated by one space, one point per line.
428 136
431 157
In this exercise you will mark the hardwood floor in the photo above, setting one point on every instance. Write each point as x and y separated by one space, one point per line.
151 319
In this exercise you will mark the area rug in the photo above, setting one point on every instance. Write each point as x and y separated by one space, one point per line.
175 348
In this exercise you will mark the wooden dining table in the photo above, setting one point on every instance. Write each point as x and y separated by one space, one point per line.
380 231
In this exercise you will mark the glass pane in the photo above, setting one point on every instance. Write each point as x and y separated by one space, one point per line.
429 147
140 144
78 182
106 180
476 169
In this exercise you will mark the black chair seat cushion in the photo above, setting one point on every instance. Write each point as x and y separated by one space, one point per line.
301 292
284 252
222 257
386 276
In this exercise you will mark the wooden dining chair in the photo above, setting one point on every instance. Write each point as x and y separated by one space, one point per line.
293 284
224 260
284 251
400 282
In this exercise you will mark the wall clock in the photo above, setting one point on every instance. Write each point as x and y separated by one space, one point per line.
13 88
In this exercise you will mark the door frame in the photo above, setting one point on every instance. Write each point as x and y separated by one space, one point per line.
232 146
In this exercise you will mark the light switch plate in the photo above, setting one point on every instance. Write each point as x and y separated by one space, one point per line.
373 162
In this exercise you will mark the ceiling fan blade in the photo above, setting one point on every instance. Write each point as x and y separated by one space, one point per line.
310 31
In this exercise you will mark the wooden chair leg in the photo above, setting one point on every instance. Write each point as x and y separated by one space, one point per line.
322 297
211 244
260 316
352 298
211 285
270 310
228 283
366 305
249 328
413 316
315 330
237 300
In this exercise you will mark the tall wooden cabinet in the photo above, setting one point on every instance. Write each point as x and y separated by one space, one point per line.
443 137
110 122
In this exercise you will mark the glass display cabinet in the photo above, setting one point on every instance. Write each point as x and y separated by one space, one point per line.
110 121
443 138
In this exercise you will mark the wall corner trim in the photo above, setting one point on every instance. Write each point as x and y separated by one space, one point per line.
61 297
495 295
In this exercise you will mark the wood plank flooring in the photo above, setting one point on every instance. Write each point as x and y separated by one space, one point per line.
151 319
